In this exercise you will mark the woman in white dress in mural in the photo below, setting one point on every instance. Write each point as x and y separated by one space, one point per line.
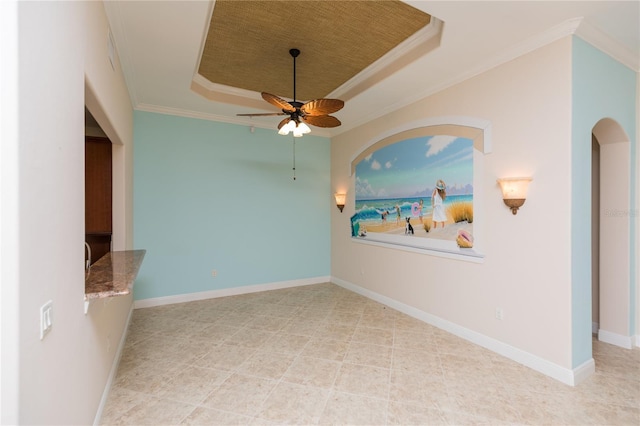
437 198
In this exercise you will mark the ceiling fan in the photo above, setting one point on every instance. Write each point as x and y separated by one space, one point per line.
315 112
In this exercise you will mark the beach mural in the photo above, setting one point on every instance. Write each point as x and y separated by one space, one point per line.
416 188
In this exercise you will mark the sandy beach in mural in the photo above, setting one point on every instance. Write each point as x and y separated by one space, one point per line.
449 232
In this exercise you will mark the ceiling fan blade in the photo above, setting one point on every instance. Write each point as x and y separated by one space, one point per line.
322 120
283 122
279 102
322 106
261 115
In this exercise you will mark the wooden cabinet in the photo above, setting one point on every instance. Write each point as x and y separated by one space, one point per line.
98 196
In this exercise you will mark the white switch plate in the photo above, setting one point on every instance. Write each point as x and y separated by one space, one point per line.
46 318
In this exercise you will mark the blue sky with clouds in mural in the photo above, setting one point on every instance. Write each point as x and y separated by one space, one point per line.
411 167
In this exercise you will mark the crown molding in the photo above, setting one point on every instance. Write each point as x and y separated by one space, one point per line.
112 10
241 121
528 45
608 45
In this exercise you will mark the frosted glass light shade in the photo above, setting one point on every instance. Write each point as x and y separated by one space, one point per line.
514 191
340 200
284 130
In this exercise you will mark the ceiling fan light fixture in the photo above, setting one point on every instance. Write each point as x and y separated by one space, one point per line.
315 112
290 126
300 129
304 128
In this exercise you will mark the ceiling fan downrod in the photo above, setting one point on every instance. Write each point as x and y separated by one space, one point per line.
294 53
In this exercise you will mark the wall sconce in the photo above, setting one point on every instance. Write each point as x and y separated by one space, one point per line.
514 192
340 199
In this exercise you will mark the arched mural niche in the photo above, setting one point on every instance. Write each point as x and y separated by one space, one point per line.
417 187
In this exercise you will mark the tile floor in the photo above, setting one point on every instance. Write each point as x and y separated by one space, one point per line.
323 355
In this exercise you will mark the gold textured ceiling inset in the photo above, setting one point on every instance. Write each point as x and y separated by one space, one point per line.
248 42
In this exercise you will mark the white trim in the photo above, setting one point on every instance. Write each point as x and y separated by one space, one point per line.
114 15
241 121
595 327
583 372
114 369
608 45
468 255
368 76
637 342
452 120
529 45
562 374
615 339
234 291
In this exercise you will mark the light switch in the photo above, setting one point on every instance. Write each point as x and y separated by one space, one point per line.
46 318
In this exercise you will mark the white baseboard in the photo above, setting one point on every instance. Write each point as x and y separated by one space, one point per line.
615 339
595 327
114 370
583 372
638 340
203 295
562 374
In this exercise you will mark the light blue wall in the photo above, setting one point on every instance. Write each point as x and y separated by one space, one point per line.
210 195
602 88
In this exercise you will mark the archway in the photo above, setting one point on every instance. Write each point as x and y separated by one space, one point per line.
613 223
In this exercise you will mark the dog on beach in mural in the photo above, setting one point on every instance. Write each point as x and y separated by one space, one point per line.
408 229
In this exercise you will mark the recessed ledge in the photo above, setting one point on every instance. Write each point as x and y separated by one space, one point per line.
112 275
467 255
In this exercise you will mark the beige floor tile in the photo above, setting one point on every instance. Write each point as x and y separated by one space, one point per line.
156 411
373 336
352 409
148 377
268 323
407 323
120 400
303 327
326 349
286 343
218 332
208 416
384 322
363 380
412 340
416 414
344 316
294 404
372 355
193 384
269 365
240 394
225 357
312 371
250 338
315 363
416 361
335 331
427 390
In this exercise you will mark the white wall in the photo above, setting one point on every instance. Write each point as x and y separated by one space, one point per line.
527 270
61 379
637 212
615 235
9 353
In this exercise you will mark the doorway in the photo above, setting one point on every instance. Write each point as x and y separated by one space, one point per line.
611 233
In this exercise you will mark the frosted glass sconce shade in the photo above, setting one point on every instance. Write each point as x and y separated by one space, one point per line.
514 191
340 200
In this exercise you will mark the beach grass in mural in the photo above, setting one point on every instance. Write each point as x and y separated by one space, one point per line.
396 189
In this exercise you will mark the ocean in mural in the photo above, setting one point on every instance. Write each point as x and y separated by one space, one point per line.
396 183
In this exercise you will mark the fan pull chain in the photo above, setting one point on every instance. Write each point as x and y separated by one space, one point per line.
294 158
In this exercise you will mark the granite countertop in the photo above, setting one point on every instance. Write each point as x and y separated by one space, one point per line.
113 275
